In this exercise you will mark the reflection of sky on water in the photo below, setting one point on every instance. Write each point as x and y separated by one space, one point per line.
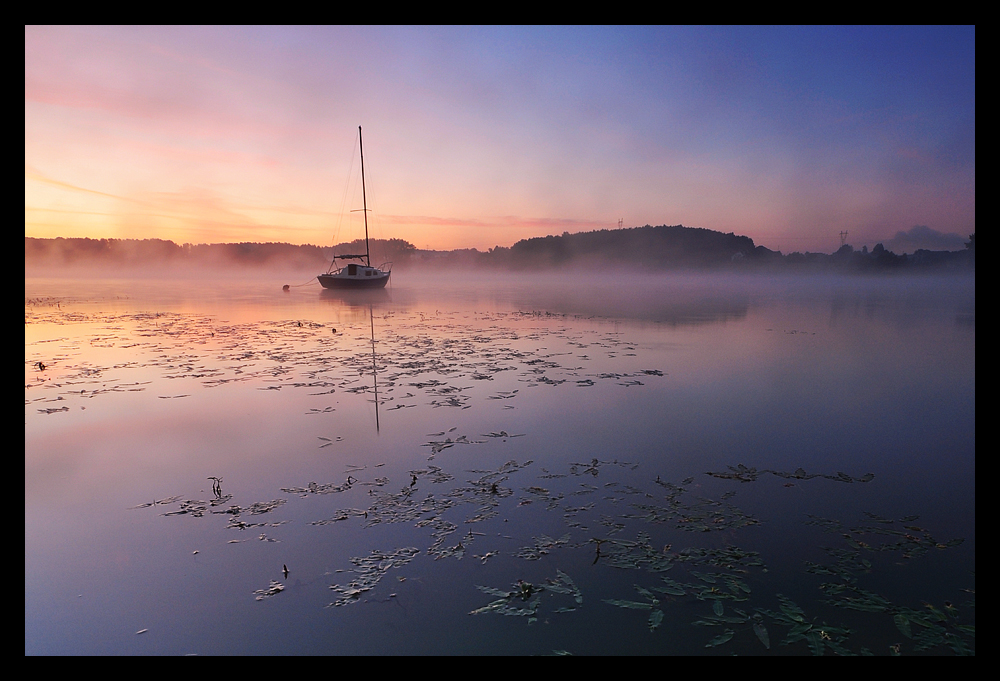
144 397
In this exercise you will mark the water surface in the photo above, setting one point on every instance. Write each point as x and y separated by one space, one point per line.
678 464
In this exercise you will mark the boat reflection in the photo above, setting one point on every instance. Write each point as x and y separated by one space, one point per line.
359 299
371 320
355 303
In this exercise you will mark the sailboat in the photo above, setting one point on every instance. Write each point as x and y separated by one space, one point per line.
354 275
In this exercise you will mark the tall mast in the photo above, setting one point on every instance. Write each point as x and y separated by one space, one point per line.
364 199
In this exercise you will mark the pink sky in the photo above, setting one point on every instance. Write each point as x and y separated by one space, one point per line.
476 137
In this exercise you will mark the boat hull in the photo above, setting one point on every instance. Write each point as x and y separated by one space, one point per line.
336 281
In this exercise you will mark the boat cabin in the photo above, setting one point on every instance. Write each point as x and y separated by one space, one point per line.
355 270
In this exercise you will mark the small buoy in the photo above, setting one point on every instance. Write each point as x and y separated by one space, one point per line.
285 287
334 330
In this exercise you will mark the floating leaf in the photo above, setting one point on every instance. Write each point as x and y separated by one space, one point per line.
493 592
629 604
717 607
564 585
671 587
721 638
655 617
816 642
797 633
903 625
645 592
713 621
957 644
789 608
736 585
761 631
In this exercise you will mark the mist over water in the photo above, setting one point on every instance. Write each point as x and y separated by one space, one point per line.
559 431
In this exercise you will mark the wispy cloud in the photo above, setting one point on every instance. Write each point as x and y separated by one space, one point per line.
35 176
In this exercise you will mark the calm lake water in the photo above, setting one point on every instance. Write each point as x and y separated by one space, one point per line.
675 464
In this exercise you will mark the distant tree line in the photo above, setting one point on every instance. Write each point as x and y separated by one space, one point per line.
646 248
160 252
880 259
680 247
